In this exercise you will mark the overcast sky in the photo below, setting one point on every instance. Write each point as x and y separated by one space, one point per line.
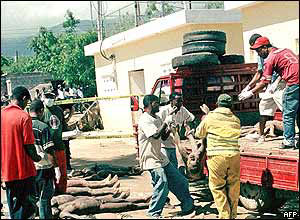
19 17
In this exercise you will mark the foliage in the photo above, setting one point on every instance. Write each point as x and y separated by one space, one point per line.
62 56
71 23
25 64
216 5
5 63
153 11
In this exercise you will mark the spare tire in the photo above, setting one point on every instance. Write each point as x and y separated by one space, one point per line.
204 36
216 47
195 59
232 59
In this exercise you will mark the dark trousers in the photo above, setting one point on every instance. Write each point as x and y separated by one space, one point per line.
68 154
20 198
45 190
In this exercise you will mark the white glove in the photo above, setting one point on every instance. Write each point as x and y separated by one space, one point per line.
190 132
204 108
246 89
57 174
169 120
245 95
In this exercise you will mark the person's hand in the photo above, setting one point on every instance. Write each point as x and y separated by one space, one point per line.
174 109
190 132
245 95
204 108
169 120
271 88
57 174
246 89
3 186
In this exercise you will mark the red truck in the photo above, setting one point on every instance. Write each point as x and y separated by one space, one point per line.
269 176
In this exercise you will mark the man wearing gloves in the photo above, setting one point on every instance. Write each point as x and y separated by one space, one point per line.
54 117
223 156
286 64
47 168
271 99
164 175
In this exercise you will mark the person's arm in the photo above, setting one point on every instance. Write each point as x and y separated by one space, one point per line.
51 155
48 145
257 75
271 89
201 130
255 79
28 139
31 151
161 132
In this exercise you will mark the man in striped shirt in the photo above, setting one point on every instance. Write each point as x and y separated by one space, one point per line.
47 168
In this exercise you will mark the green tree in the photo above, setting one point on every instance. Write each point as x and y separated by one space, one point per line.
63 55
24 64
216 5
71 22
5 63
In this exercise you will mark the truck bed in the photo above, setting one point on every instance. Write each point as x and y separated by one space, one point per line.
266 164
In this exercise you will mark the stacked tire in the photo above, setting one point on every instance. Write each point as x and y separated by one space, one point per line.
204 48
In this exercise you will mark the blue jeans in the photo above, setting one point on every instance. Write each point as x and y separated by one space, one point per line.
290 113
20 198
165 179
171 154
45 191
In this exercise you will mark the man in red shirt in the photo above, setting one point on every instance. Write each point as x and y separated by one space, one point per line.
17 155
286 64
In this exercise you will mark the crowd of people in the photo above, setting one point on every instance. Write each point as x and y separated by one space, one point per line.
62 93
33 152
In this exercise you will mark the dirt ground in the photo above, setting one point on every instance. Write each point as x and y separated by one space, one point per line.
122 152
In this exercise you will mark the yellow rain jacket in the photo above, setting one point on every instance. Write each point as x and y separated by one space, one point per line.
222 129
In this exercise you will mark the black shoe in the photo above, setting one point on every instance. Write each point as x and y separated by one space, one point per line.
182 213
283 146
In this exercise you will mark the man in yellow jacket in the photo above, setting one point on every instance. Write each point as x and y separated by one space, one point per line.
222 130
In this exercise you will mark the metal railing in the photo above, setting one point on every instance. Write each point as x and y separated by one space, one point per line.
141 12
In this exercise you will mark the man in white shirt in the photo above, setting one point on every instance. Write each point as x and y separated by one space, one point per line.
182 115
79 92
60 93
165 177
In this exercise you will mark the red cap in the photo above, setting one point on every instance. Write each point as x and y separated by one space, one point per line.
261 41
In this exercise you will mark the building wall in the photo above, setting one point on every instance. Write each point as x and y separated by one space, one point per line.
28 80
153 55
277 20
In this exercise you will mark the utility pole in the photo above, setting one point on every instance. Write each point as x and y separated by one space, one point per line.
100 21
137 13
163 8
91 11
187 5
17 56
